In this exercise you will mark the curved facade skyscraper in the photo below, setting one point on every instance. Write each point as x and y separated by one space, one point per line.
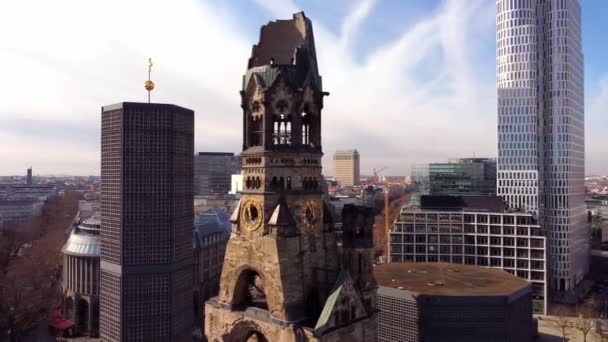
541 166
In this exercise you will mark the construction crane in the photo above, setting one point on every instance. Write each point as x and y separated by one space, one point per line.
376 179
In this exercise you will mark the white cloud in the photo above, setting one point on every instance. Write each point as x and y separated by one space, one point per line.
67 58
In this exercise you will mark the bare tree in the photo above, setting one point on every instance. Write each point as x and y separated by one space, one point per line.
562 322
587 314
584 324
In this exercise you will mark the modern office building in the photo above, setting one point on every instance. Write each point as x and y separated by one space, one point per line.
213 171
465 176
421 179
429 302
473 230
80 284
346 167
462 176
146 222
541 148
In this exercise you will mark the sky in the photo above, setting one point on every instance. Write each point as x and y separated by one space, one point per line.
411 81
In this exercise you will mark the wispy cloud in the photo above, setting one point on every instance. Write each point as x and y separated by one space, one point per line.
415 98
352 22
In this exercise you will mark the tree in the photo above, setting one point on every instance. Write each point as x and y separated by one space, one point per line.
584 324
563 322
587 314
29 284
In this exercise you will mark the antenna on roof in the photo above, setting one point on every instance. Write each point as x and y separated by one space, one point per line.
149 85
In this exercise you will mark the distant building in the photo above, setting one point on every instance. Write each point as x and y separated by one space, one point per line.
37 192
236 183
347 167
464 176
421 302
19 211
213 171
81 276
211 233
473 230
226 203
29 176
19 203
146 222
421 179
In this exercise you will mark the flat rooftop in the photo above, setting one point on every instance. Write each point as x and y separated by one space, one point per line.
448 202
444 279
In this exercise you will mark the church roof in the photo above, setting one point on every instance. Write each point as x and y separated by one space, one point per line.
234 218
330 303
266 75
281 216
214 215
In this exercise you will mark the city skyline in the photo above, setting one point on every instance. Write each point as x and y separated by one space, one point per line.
428 70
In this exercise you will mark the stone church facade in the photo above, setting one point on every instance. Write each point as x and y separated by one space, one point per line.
284 276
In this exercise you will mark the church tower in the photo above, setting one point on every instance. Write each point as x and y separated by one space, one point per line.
282 279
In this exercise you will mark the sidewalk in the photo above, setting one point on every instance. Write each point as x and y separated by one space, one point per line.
548 331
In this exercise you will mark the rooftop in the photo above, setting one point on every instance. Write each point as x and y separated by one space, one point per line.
477 203
447 279
216 154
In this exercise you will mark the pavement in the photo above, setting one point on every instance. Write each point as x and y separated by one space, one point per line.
549 332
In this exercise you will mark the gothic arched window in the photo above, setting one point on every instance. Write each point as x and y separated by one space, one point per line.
255 130
305 128
281 134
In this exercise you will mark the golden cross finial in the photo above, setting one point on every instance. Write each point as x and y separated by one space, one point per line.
149 85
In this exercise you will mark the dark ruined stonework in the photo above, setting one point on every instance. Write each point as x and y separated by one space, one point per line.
284 277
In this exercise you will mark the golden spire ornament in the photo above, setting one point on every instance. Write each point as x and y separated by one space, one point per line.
149 85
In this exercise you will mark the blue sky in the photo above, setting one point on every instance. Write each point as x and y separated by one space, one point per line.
411 81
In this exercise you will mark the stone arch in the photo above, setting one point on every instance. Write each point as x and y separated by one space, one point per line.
69 308
246 331
236 290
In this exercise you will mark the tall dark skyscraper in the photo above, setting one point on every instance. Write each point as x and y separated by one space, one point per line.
146 222
541 125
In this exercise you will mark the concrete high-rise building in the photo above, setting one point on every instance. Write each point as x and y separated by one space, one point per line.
346 167
146 222
29 176
213 171
473 230
541 152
